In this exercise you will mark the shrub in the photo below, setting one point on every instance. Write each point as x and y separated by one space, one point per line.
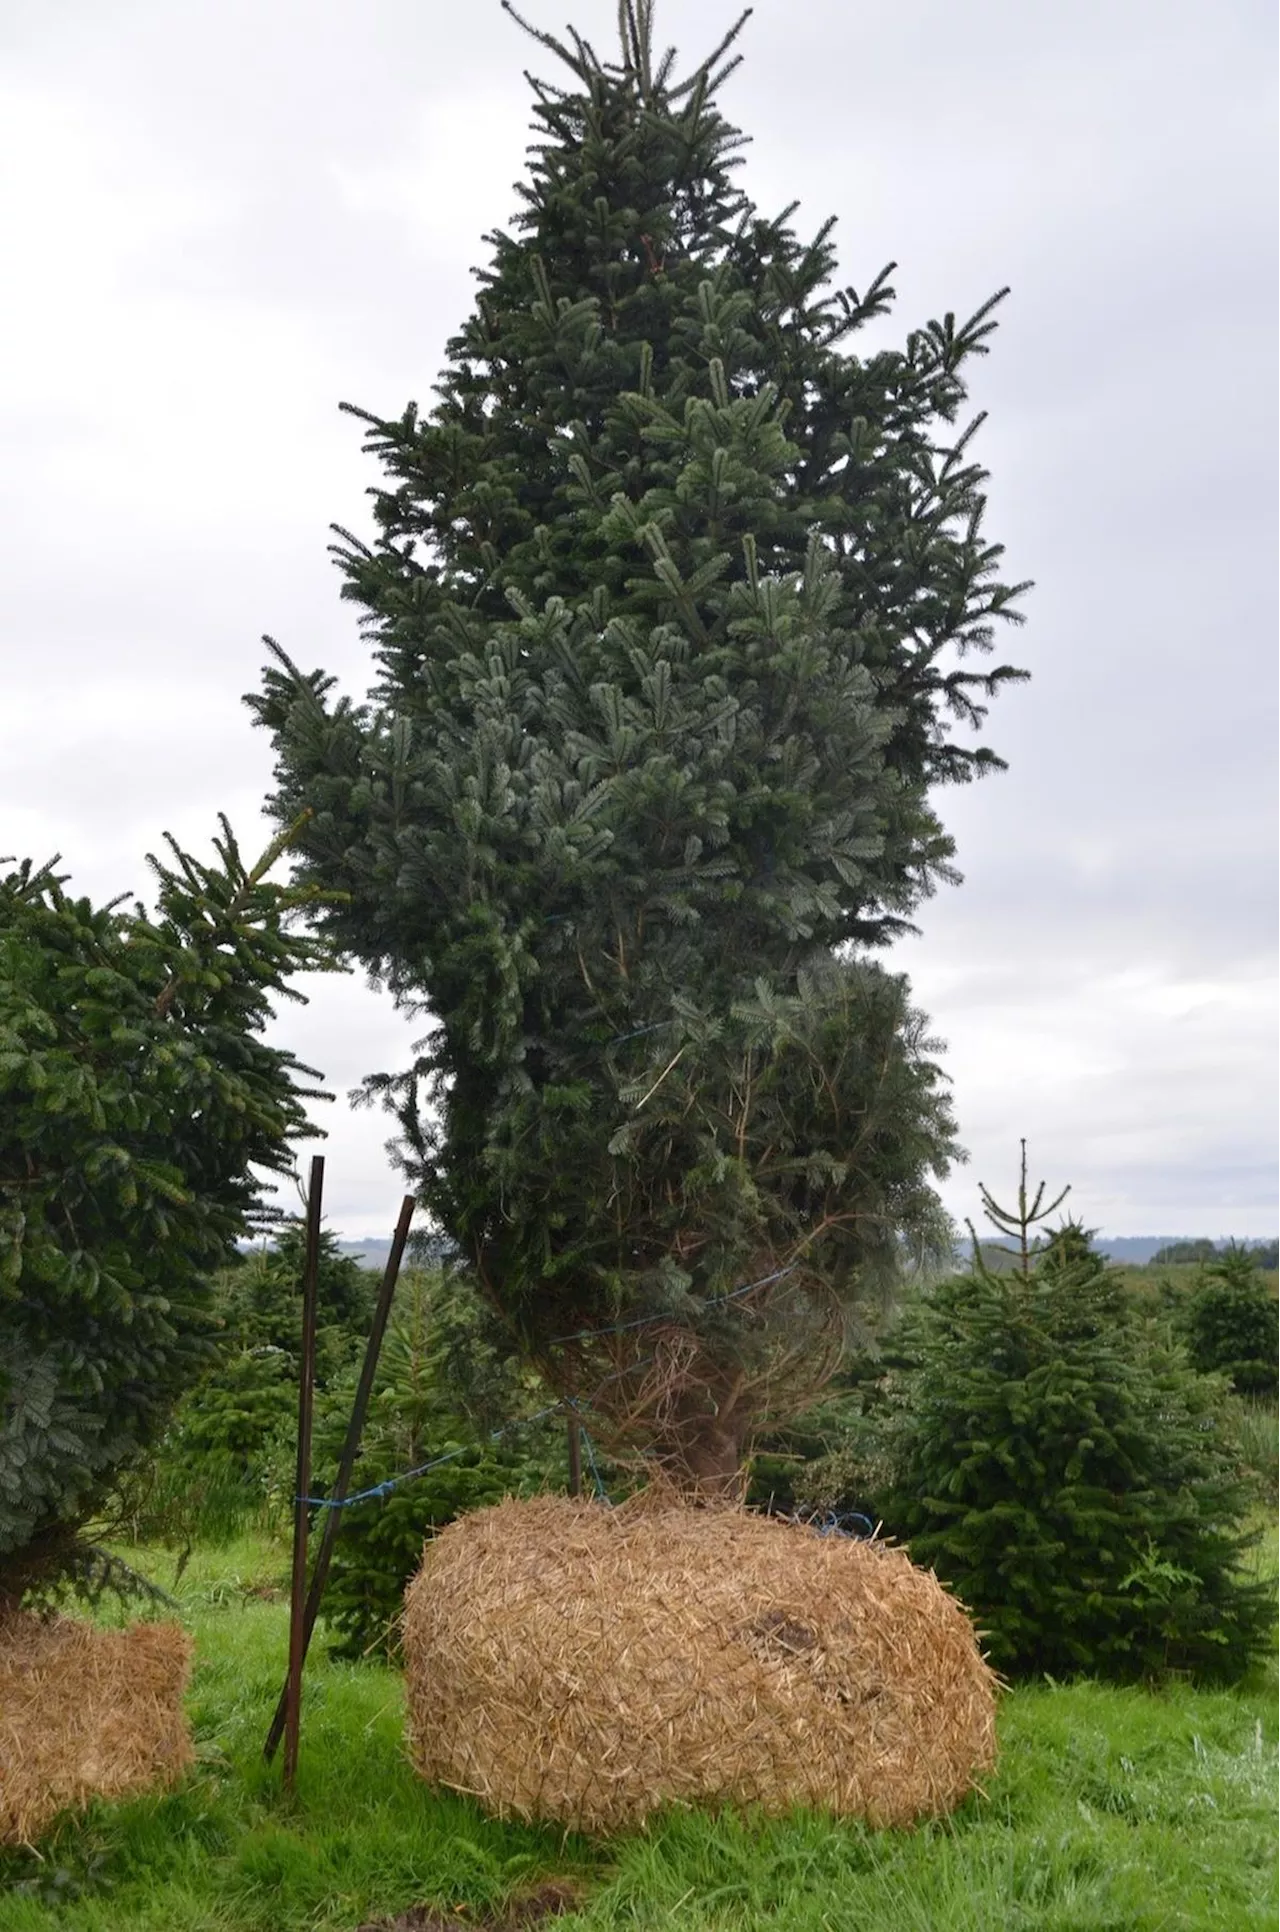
1058 1463
1230 1324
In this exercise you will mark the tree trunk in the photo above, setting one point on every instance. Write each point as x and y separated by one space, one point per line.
705 1455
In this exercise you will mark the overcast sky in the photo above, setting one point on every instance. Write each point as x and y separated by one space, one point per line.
220 217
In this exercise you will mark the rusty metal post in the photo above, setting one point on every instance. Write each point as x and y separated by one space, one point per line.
301 1514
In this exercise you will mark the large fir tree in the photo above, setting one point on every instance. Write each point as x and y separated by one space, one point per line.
671 601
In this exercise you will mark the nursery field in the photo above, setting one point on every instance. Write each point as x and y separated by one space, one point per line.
1112 1811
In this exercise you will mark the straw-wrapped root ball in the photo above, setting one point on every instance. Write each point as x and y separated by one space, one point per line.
567 1661
86 1713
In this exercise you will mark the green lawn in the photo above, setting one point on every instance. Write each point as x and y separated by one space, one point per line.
1112 1811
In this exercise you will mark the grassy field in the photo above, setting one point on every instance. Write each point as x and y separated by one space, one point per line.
1112 1811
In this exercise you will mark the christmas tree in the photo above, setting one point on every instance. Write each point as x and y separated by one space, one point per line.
138 1099
1058 1463
1230 1323
673 602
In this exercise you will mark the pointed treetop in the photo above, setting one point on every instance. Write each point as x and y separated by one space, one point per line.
1017 1222
635 35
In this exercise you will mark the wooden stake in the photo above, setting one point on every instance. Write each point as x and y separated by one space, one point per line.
301 1514
346 1462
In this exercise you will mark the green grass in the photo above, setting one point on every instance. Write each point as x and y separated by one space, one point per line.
1112 1811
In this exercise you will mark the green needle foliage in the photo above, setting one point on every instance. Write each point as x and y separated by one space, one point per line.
1058 1463
259 1301
227 1456
1230 1323
137 1098
674 602
442 1390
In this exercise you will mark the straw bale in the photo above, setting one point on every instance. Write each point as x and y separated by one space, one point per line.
86 1713
570 1662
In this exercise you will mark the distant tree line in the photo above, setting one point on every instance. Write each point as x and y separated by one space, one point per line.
1263 1254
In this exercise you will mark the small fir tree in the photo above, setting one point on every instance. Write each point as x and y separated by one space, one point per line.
257 1302
674 600
137 1099
443 1390
226 1457
1230 1324
1060 1466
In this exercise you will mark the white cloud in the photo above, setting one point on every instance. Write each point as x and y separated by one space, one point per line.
442 186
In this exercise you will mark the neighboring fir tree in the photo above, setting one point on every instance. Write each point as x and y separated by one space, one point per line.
1230 1323
258 1302
137 1097
671 604
1060 1466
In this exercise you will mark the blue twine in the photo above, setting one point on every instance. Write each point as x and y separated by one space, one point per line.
602 1494
385 1487
636 1031
642 1321
408 1475
833 1524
